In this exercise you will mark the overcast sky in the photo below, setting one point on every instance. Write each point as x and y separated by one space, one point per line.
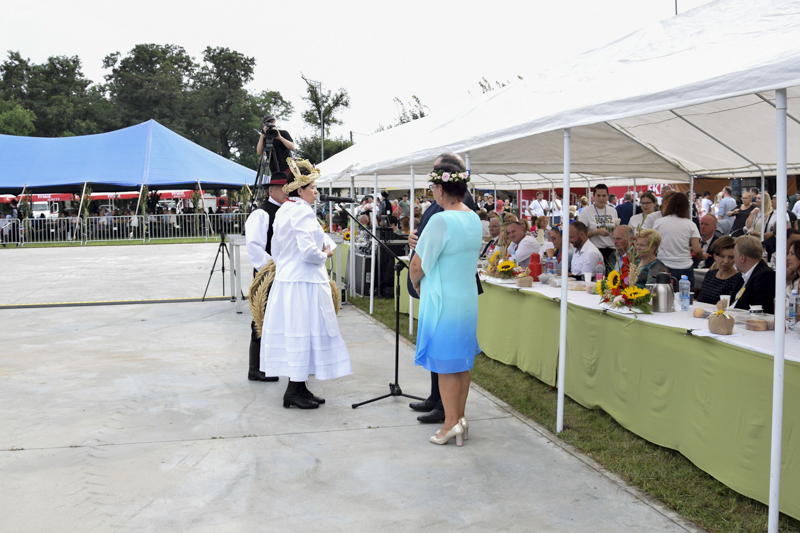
377 50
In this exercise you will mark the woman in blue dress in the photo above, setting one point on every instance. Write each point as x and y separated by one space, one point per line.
443 273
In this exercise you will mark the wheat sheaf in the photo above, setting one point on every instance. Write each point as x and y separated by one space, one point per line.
259 293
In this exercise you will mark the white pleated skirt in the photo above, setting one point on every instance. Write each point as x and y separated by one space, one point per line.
301 335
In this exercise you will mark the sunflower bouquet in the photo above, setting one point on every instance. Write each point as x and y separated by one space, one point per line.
618 292
501 266
346 235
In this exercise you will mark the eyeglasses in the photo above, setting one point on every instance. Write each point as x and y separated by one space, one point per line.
646 203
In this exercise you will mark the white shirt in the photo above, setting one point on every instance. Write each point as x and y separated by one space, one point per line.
772 222
297 242
796 208
555 208
527 246
676 233
536 208
586 259
651 219
485 224
605 218
706 204
255 232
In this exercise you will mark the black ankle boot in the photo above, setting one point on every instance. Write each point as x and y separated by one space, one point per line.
310 395
294 395
254 374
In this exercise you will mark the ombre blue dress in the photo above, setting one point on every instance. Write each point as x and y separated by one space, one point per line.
447 339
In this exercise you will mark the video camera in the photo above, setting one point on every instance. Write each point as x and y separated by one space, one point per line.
272 131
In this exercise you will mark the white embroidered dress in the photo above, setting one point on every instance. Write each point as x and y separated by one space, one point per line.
301 335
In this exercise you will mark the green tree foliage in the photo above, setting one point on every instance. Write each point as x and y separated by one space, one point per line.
309 147
323 104
59 95
153 82
15 119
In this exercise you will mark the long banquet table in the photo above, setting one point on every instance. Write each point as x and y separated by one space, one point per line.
708 398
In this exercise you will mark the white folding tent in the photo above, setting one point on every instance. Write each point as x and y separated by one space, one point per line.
697 94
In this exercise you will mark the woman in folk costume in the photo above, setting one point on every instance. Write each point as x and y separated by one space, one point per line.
300 334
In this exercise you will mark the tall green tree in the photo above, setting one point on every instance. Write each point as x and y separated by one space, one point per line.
153 81
324 104
309 147
62 99
15 119
229 114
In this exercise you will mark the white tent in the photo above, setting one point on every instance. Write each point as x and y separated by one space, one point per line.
692 95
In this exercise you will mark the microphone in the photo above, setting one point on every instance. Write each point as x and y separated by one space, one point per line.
337 199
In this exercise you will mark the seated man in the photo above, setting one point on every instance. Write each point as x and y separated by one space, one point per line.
586 255
553 248
757 286
522 245
708 234
494 234
623 238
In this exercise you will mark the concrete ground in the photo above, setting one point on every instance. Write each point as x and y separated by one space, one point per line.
140 417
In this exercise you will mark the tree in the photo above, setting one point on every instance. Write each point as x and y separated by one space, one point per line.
153 82
324 104
416 109
63 101
15 119
245 138
309 147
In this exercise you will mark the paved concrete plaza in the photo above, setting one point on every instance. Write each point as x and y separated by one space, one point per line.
140 417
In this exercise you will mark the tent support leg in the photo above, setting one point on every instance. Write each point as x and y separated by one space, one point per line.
562 330
411 230
780 317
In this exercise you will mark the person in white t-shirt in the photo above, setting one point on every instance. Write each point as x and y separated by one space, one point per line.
539 207
649 203
679 238
650 221
555 209
706 204
586 255
522 245
600 220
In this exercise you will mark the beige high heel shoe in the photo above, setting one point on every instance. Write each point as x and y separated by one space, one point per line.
465 426
456 431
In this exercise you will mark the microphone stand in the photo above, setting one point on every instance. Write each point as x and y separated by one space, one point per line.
394 388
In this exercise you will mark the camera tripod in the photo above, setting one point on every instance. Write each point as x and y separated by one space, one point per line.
222 251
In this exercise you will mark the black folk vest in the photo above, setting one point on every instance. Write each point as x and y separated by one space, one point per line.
271 210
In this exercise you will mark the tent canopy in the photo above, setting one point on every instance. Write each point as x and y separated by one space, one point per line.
716 66
147 153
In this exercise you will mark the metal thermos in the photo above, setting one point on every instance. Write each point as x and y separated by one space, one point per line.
663 300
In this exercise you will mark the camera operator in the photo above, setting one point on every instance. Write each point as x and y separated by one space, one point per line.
282 145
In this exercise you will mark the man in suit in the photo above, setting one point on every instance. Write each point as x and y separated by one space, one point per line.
757 286
433 406
494 236
708 234
625 210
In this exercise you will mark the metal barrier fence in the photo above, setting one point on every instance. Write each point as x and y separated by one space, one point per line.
50 230
228 223
9 231
173 226
109 228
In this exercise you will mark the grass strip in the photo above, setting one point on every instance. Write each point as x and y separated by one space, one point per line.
659 472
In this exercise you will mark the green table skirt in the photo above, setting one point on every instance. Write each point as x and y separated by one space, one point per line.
707 399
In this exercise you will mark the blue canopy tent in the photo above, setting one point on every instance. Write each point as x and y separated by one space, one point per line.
147 153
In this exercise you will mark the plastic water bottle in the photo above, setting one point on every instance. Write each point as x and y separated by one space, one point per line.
684 287
793 299
599 271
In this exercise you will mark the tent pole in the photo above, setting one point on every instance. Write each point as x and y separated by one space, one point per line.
138 200
562 330
330 209
691 196
374 246
780 318
80 205
764 204
352 239
411 230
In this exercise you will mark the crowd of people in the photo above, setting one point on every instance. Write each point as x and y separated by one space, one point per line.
675 233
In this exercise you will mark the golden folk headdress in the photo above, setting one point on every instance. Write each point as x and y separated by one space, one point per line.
300 179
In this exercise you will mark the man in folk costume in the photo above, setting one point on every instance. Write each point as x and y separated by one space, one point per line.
258 232
300 333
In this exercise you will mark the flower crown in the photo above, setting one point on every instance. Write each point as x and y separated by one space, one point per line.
440 176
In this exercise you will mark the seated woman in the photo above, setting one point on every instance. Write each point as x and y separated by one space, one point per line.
405 225
647 243
723 278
